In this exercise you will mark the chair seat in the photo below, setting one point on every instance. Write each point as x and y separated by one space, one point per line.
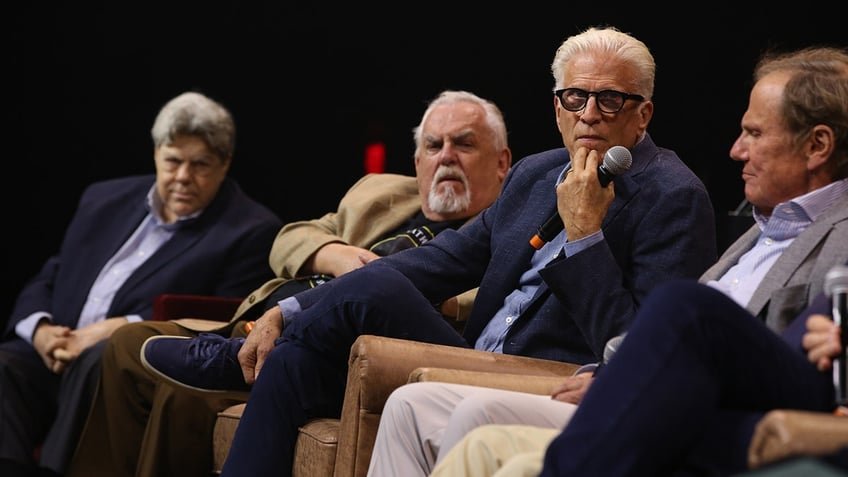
316 443
316 448
222 435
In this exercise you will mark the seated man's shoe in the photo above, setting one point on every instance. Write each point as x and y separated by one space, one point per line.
206 365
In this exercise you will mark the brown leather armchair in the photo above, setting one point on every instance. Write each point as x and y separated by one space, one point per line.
378 365
342 447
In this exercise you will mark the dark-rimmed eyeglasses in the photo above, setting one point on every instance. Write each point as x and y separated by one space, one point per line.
608 100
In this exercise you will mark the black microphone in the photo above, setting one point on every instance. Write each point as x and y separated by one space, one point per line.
836 288
617 161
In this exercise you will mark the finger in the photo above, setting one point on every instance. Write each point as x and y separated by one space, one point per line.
571 397
57 367
62 354
578 160
367 256
246 361
248 372
261 356
754 451
593 159
824 351
259 362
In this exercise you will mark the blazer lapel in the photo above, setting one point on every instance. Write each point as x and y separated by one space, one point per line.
787 265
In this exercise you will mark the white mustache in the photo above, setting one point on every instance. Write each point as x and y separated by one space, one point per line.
450 172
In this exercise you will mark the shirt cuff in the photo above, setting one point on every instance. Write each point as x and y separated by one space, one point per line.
26 327
578 246
290 308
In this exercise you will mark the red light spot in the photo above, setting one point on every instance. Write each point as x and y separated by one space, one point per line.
375 158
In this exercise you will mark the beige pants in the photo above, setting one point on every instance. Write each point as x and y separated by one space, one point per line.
422 421
498 451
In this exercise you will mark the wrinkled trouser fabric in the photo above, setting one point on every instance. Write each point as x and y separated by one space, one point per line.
684 391
304 376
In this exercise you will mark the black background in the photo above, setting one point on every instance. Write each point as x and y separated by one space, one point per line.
309 86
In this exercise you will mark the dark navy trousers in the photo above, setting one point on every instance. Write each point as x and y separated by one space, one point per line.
304 376
685 389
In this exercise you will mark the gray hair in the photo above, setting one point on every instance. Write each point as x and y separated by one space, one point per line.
612 41
816 93
193 114
494 116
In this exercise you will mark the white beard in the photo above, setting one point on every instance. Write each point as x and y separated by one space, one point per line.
447 200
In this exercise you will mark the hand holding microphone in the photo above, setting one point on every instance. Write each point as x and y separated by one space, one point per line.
836 288
617 161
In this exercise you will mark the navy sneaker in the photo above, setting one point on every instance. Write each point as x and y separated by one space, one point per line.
207 364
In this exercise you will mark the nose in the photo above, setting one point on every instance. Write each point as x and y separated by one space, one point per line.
738 151
184 171
591 112
447 155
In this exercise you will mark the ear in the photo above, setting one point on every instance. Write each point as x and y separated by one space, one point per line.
819 146
227 162
557 111
504 163
646 112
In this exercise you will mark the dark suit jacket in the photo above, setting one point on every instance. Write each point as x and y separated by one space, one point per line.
223 252
660 226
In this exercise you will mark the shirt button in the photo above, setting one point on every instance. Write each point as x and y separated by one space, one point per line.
768 241
508 319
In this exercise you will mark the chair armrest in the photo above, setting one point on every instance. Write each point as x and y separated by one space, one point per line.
382 364
378 365
512 382
172 306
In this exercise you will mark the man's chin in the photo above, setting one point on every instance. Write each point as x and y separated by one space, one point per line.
182 208
450 205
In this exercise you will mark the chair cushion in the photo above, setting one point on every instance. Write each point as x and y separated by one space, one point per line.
315 453
222 435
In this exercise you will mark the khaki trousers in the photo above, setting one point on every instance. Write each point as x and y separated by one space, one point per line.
498 450
139 426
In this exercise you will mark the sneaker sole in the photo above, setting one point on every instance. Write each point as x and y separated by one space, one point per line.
221 396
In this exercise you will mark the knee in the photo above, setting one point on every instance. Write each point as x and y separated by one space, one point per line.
124 345
682 302
681 291
523 464
372 283
129 336
414 401
404 399
483 439
691 292
478 409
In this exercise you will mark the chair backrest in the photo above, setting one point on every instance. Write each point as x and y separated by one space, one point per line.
172 306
